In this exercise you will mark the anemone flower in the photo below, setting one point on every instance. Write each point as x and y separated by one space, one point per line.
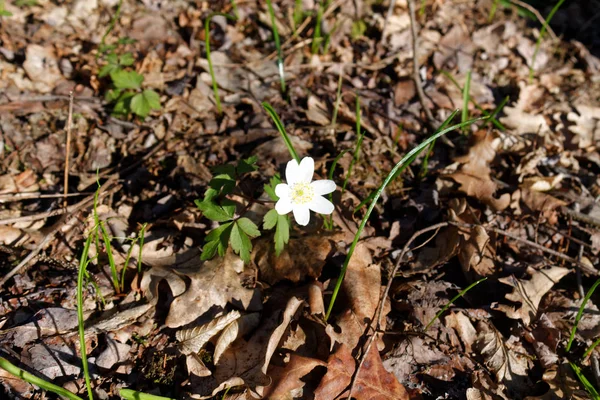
300 194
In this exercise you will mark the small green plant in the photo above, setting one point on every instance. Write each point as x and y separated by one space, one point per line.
298 13
587 297
209 58
3 12
398 168
359 139
466 98
278 46
585 382
540 37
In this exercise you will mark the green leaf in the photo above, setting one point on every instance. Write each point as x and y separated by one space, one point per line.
112 95
106 48
240 243
126 79
142 103
248 227
282 233
270 219
112 58
4 13
123 104
270 187
107 69
216 233
224 183
209 250
247 165
229 207
212 211
126 40
126 59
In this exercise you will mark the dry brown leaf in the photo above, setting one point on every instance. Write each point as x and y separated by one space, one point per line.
303 257
541 202
474 176
476 253
510 367
286 380
373 381
563 384
234 330
530 292
463 326
317 111
193 340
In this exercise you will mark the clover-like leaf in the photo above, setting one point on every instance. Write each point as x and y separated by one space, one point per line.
126 79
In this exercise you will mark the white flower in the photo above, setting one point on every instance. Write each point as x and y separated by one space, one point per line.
300 194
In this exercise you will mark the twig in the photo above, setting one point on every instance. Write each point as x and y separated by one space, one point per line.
416 77
68 148
581 216
9 197
56 227
537 14
382 298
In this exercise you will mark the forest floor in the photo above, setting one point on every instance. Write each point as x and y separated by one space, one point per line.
137 237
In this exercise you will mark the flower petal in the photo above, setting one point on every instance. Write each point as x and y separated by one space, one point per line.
292 172
324 186
307 170
282 190
283 206
301 214
321 205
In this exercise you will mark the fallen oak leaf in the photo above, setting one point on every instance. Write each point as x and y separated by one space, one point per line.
374 382
194 339
530 292
286 380
234 330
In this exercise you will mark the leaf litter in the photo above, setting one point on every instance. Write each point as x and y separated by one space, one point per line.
520 196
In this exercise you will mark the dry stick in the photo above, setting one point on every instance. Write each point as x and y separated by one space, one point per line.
10 197
382 298
588 219
537 15
56 227
68 149
431 122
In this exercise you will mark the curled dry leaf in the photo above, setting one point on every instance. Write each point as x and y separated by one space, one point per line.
237 328
511 367
530 292
287 383
563 384
373 381
193 340
463 326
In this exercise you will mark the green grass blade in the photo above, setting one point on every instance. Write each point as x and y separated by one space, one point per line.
142 235
591 348
298 13
399 167
425 164
540 37
209 58
587 297
83 262
111 26
584 381
493 11
317 39
359 140
111 260
234 7
459 295
466 97
129 394
278 46
34 380
269 109
126 263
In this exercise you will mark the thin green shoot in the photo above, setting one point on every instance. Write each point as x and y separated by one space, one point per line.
111 260
34 380
540 37
317 39
492 117
425 164
338 98
129 394
298 13
587 297
459 295
329 221
141 235
591 348
327 41
466 96
497 110
234 7
111 26
286 139
359 140
278 46
83 263
585 382
400 166
493 10
209 58
422 9
126 263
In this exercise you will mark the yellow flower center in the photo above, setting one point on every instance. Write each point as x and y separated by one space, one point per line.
302 193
